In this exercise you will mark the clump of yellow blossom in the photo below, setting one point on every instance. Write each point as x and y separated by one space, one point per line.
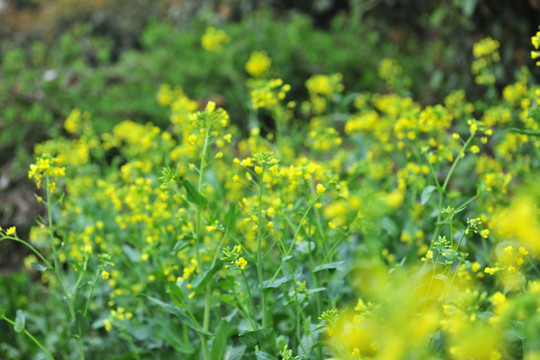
267 94
536 43
486 52
389 70
46 166
519 222
77 121
258 63
213 39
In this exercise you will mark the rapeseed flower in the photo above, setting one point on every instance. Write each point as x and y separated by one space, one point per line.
213 39
258 63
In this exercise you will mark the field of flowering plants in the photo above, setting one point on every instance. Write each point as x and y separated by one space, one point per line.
342 225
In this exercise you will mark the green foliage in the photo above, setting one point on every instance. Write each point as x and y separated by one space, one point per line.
327 214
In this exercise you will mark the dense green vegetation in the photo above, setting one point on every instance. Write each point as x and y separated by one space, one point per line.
276 187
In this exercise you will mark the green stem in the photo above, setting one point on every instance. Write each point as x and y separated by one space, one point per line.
253 318
259 253
297 232
296 307
456 161
92 287
206 318
33 249
442 190
36 341
55 253
57 265
79 279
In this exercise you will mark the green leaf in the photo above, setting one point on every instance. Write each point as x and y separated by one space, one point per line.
426 194
389 226
277 283
235 353
316 290
39 267
179 313
335 288
79 326
332 265
131 253
181 244
468 7
127 356
20 321
525 131
261 336
177 295
261 355
199 285
193 195
220 341
2 311
230 218
168 332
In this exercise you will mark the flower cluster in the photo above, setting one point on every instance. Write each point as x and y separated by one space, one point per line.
536 43
258 64
46 166
486 53
214 39
267 93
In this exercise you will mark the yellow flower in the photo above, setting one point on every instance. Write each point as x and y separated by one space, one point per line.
105 275
320 189
11 231
258 63
213 39
108 325
241 263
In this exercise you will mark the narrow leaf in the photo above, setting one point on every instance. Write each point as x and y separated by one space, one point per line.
177 295
220 341
261 355
230 218
79 326
525 131
179 313
200 284
252 338
20 321
426 194
235 353
277 283
193 195
38 267
332 265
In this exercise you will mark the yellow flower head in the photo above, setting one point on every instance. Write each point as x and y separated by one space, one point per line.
258 63
11 231
213 40
241 263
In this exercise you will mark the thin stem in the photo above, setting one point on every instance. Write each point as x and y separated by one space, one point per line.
206 318
253 317
456 161
36 341
79 279
56 268
92 287
442 190
28 245
259 253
